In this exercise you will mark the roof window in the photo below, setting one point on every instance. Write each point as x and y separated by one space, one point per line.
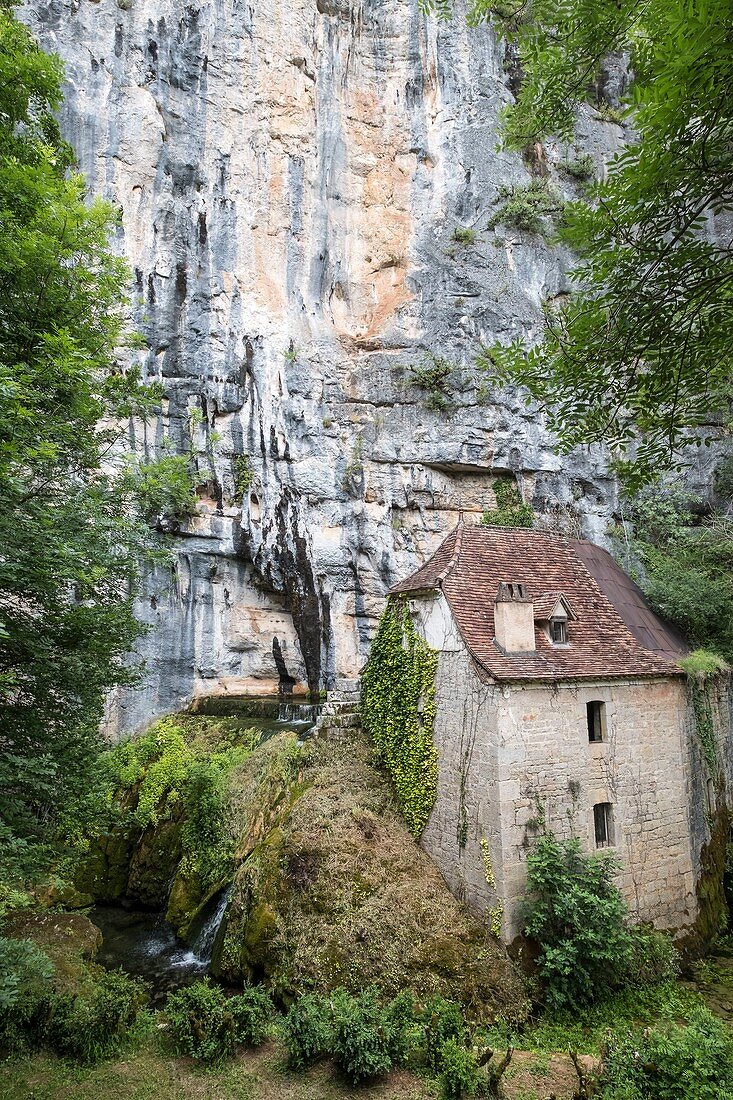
559 631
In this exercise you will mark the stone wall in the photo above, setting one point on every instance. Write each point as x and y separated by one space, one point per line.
512 758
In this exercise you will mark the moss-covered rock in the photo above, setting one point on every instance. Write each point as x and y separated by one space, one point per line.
337 892
70 940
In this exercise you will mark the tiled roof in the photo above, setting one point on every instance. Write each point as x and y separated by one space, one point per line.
613 635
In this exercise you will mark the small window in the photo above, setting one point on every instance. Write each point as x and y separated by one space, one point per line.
603 821
558 631
596 715
711 796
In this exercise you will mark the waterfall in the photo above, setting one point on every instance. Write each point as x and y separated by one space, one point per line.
298 712
202 947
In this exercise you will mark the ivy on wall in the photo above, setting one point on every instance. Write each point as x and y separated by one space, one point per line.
398 711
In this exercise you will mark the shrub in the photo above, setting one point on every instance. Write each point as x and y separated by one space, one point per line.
253 1013
510 511
654 958
582 168
93 1025
442 1020
25 972
308 1029
464 235
433 376
362 1035
693 1062
201 1023
164 487
459 1075
402 1027
525 206
578 918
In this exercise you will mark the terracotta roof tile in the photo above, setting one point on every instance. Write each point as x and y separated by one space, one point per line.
613 635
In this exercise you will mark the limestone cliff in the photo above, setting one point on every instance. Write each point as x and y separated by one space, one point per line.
289 178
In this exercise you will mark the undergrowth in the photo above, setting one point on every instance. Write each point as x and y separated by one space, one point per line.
510 510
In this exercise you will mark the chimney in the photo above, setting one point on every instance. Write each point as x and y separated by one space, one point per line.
514 618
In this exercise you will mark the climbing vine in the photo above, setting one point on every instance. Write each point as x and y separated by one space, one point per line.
496 914
398 711
702 710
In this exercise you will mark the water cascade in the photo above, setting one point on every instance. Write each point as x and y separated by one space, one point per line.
295 714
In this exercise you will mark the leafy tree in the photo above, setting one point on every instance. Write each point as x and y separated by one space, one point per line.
640 356
683 559
71 535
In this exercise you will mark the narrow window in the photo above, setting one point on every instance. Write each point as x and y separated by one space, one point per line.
558 631
596 716
711 796
603 821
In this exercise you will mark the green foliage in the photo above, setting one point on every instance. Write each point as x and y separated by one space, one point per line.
687 566
510 511
582 168
633 1004
165 487
402 1027
362 1035
702 664
655 961
459 1074
533 207
464 235
442 1021
72 535
243 475
693 1062
253 1013
200 1023
166 774
433 375
639 356
206 1024
704 723
25 972
86 1024
579 919
398 711
307 1029
94 1024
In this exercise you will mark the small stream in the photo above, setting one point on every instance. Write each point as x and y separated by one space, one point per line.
143 943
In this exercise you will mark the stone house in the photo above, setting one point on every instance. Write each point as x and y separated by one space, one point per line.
560 700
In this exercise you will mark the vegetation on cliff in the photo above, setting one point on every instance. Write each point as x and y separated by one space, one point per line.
164 835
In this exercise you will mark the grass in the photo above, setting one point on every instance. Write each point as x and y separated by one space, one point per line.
150 1074
585 1033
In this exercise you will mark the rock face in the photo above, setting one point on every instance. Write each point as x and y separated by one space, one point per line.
290 178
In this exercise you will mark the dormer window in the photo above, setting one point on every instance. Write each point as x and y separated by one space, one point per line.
553 612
